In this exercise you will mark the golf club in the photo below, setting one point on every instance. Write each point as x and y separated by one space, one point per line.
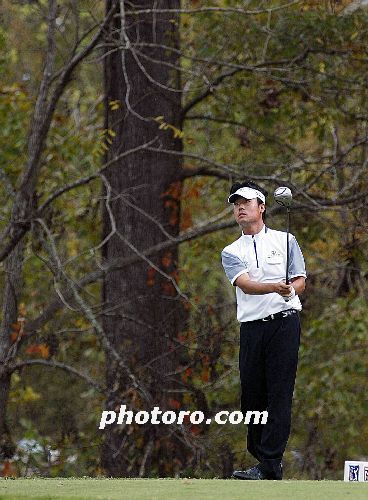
283 196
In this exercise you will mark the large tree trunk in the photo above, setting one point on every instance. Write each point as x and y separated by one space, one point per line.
146 309
12 290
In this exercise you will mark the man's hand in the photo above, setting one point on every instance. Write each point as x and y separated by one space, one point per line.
255 288
291 296
283 289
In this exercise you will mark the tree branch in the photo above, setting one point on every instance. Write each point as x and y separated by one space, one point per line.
20 223
56 364
56 304
234 10
207 92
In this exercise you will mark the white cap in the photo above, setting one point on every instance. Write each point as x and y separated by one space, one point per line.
248 193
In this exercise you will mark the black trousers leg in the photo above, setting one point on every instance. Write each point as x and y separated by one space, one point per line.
268 360
253 383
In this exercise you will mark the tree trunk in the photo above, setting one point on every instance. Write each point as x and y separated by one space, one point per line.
146 311
12 290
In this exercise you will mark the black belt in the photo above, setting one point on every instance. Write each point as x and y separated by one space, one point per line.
281 314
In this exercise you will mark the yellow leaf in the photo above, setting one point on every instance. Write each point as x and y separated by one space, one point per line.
114 105
30 395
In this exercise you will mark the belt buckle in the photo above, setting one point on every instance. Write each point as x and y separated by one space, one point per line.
268 318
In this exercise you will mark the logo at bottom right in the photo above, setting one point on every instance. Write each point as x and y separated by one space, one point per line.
365 473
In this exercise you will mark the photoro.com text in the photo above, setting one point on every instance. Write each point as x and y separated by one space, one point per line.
157 416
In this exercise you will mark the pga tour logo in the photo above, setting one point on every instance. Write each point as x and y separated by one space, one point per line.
354 472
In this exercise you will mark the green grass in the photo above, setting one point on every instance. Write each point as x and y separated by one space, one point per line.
172 489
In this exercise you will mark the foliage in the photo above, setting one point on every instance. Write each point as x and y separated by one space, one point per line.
303 122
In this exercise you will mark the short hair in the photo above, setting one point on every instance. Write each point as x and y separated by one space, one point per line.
253 185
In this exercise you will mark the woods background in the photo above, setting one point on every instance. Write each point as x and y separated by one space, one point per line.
123 125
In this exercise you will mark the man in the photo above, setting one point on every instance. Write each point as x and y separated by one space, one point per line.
267 310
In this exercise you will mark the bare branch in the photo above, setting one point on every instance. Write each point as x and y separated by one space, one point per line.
200 10
86 180
56 364
207 92
269 137
41 121
73 292
117 264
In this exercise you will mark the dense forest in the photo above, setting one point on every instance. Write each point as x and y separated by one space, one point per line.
124 124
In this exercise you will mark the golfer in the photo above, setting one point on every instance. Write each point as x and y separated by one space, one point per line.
267 310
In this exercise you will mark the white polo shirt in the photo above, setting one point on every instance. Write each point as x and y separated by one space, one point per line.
263 257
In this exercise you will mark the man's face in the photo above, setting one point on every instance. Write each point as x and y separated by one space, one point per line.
247 211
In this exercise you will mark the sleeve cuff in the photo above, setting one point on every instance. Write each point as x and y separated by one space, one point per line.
237 276
300 275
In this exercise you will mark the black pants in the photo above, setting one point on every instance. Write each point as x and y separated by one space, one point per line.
268 359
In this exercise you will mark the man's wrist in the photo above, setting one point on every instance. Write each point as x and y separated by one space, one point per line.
269 288
273 288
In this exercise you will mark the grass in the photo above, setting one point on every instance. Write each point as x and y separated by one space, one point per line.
172 489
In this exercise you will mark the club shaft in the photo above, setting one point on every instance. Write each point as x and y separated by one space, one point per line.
287 246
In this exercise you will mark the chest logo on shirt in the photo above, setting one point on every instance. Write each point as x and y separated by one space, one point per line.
274 257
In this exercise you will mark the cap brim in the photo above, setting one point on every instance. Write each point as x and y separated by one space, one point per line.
234 196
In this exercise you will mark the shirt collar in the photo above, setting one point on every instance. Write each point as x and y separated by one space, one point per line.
258 236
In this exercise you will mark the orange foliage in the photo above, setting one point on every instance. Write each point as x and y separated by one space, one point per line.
182 337
8 469
172 195
167 258
186 219
193 192
205 360
17 331
167 467
174 217
169 203
210 309
174 403
42 349
195 429
173 191
186 419
168 288
205 375
13 336
17 326
151 276
187 374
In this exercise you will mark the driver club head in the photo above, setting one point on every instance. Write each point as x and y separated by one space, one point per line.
283 196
